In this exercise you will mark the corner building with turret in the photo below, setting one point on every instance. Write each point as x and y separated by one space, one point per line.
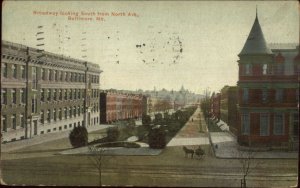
268 92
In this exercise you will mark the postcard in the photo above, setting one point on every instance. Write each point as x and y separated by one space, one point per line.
150 93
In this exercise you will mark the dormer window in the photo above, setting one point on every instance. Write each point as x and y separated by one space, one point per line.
265 69
248 69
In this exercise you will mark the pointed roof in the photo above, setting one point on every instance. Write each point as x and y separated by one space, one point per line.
255 43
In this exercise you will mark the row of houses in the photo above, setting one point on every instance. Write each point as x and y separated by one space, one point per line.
263 109
42 93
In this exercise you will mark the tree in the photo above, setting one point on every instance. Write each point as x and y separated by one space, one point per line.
112 134
96 156
248 164
167 118
146 120
157 137
78 136
158 119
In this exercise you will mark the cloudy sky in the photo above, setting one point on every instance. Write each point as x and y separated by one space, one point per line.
164 44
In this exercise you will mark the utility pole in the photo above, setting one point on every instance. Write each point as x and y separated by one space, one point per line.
27 123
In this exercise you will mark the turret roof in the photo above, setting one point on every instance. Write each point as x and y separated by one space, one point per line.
255 43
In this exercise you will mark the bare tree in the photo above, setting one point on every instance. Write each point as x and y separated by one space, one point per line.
96 156
248 164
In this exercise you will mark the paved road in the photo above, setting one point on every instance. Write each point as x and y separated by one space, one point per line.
170 168
194 133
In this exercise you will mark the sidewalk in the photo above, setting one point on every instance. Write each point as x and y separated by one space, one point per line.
192 133
44 138
144 150
225 146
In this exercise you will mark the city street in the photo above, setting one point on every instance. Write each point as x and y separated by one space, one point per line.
150 93
170 168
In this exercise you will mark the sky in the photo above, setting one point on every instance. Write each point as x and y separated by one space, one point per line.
162 44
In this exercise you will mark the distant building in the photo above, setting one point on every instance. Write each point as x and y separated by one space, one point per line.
268 92
43 92
228 107
215 102
117 106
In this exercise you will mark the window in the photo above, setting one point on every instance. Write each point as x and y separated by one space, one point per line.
70 94
66 76
248 69
265 69
264 124
71 77
74 111
279 69
34 78
65 94
33 104
4 123
23 72
48 95
55 76
296 125
245 124
62 74
66 126
3 97
66 113
42 117
51 75
22 120
14 71
279 95
59 128
70 111
54 94
60 94
4 70
54 114
48 115
43 73
264 95
75 94
78 110
60 113
278 124
22 95
47 74
42 94
14 96
14 121
70 125
245 95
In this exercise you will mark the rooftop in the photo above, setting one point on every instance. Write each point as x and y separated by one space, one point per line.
255 43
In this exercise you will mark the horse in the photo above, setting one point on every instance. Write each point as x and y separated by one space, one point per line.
188 151
199 152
